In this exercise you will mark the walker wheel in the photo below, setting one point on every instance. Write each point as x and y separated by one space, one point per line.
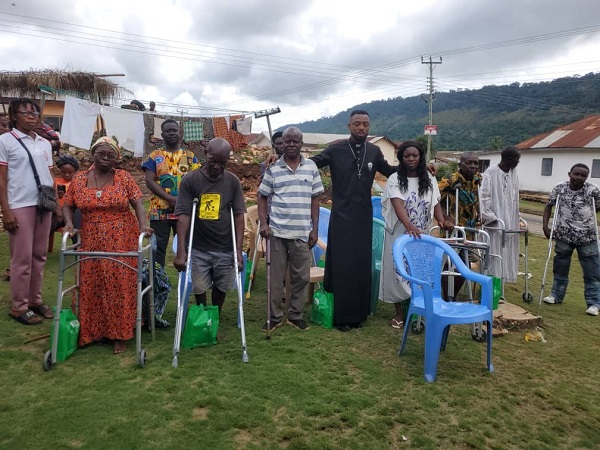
417 326
527 297
142 359
48 361
479 336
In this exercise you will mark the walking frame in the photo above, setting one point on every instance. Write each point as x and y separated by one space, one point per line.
79 256
182 289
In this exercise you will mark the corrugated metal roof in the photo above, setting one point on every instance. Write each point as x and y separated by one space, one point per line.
584 133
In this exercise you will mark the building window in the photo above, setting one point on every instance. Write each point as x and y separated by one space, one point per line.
483 165
595 168
546 167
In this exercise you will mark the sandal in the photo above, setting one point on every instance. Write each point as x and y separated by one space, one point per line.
119 347
42 310
27 317
397 324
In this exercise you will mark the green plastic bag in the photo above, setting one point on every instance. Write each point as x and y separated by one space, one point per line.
201 326
497 290
322 309
68 333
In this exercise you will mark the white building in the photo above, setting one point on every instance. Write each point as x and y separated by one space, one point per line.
318 141
547 158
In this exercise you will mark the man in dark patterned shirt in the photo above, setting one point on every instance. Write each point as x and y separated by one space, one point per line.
467 179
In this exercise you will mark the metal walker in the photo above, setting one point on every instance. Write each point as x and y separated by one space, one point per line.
79 256
506 234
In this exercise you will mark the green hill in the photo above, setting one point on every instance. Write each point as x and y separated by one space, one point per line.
478 119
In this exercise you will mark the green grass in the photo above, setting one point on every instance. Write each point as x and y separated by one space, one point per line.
314 389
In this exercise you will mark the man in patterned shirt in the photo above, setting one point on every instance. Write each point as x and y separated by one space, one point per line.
575 229
467 179
164 169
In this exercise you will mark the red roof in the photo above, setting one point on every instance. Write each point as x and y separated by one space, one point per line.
582 134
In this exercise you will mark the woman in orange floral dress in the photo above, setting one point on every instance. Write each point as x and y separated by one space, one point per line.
107 303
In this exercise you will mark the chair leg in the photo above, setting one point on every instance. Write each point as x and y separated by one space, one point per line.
433 337
489 346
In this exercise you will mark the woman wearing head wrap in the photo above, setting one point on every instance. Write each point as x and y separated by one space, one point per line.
107 305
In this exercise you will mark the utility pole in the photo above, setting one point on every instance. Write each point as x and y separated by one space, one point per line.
266 113
430 130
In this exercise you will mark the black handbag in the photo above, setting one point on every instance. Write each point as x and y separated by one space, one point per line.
46 194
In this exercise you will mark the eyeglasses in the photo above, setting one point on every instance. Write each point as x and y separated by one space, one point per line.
28 113
107 156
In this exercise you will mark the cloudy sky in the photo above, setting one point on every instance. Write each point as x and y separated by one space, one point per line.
311 58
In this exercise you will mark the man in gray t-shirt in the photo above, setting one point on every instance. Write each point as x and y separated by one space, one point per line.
219 192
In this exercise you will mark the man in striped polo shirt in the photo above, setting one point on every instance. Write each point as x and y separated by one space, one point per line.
295 185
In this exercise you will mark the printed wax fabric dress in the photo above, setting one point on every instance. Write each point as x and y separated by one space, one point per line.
107 305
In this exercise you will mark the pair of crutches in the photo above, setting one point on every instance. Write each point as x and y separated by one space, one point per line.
554 219
183 290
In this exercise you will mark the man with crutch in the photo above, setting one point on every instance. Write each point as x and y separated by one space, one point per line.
294 184
575 228
219 193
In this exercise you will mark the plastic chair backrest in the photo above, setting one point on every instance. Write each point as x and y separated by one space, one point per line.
324 215
378 240
376 202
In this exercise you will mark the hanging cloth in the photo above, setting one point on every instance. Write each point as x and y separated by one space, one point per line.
79 122
127 126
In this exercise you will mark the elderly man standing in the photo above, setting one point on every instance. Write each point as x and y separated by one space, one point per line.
294 184
499 200
467 180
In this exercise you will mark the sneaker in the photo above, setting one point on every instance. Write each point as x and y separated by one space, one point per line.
274 325
592 310
550 300
298 323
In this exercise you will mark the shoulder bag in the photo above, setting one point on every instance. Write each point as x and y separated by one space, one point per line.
46 194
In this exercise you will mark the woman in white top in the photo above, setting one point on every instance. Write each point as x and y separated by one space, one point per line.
28 228
410 201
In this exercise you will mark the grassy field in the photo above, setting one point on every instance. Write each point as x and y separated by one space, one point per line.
317 389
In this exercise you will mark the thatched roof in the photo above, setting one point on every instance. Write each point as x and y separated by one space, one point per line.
83 84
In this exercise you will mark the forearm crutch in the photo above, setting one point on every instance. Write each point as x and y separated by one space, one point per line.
182 289
268 261
238 283
253 267
550 250
595 221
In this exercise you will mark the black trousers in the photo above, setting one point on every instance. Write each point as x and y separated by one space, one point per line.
162 231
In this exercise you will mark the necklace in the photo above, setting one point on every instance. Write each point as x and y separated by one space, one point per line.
359 166
99 188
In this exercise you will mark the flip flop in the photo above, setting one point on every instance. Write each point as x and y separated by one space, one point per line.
27 317
397 324
42 310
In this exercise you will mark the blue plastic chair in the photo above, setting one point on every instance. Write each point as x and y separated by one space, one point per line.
420 261
324 215
376 202
377 243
